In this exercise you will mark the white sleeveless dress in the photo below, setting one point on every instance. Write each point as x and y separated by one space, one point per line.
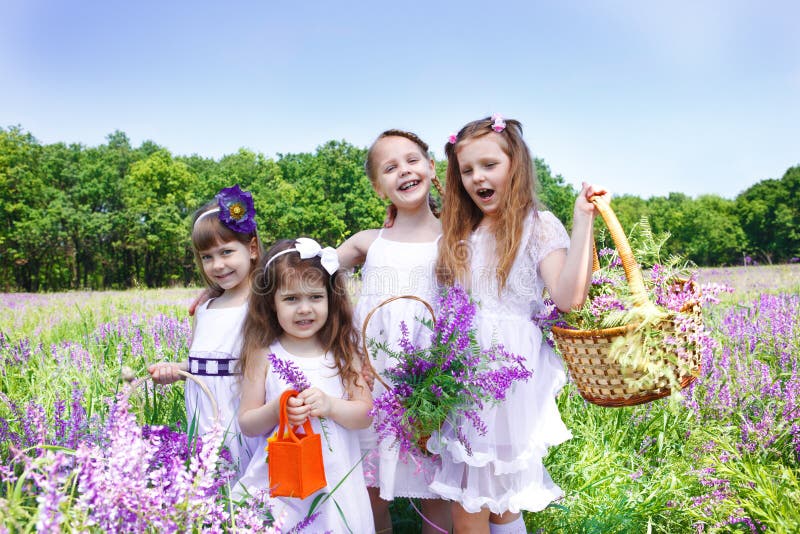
505 471
396 268
340 455
213 354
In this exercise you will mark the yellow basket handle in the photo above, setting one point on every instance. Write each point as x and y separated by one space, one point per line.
633 272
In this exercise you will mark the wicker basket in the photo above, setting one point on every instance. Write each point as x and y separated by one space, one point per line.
600 379
188 376
423 440
367 360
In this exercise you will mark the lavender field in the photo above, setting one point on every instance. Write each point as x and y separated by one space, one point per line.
82 448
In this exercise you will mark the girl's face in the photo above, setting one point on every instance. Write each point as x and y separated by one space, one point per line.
302 307
403 173
229 264
484 168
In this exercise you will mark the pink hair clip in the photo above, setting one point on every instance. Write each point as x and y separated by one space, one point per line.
452 139
499 124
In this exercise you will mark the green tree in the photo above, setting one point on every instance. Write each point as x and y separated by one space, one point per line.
770 216
158 203
553 193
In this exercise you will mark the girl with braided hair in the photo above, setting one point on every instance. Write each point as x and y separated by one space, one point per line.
398 260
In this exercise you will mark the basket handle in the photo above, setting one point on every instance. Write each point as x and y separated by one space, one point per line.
633 273
283 419
189 376
367 360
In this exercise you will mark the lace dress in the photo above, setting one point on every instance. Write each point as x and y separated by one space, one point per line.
396 268
505 471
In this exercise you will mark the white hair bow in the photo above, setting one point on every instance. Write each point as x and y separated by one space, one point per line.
308 248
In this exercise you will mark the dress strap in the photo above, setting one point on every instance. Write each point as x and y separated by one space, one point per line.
380 232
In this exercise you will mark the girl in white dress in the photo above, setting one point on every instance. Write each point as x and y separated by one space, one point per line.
398 260
300 318
499 245
226 248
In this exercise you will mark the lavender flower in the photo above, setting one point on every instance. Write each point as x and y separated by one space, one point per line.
451 379
289 372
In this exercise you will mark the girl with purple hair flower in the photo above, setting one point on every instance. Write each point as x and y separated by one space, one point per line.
299 335
226 248
498 243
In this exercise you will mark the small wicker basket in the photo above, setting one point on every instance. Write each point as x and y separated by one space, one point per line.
188 376
367 360
601 379
423 440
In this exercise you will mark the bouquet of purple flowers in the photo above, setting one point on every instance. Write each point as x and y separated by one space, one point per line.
451 379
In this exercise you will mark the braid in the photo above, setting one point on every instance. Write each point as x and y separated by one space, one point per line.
438 185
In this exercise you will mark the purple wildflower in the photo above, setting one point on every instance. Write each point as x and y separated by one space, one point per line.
449 380
289 372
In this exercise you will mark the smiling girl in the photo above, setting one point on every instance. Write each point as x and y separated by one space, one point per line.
226 248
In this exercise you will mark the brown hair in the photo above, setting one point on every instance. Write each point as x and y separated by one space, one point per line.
208 231
369 164
461 216
261 327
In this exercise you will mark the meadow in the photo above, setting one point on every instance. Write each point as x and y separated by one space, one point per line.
84 446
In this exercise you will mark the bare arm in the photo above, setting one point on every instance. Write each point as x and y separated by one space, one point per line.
207 294
568 274
255 416
354 251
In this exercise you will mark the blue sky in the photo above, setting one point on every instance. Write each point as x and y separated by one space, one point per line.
643 97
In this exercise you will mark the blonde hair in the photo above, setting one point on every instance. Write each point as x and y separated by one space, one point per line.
461 215
369 164
261 327
208 231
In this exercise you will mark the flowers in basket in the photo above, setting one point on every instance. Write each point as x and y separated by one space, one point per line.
656 337
452 378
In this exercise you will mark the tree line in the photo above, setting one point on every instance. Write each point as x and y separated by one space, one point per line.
115 216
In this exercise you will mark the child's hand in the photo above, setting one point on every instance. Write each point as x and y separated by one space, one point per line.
584 205
310 402
317 402
296 411
369 377
207 294
164 372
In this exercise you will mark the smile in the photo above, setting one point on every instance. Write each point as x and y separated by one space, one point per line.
408 185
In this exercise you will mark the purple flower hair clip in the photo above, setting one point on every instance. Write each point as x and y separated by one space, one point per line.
452 138
499 124
236 209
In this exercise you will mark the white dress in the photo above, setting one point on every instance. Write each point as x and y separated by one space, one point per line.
505 471
394 268
213 354
340 455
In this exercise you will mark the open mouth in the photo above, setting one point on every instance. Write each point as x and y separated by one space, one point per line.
408 185
304 322
485 194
